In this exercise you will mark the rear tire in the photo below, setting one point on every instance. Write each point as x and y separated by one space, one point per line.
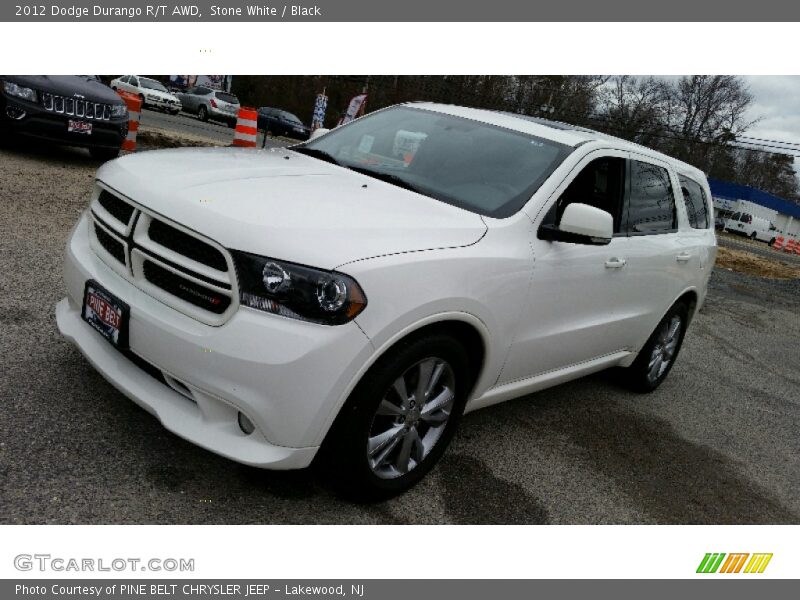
202 113
385 439
659 353
753 236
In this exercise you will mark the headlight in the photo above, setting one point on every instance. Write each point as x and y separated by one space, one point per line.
118 110
12 89
296 291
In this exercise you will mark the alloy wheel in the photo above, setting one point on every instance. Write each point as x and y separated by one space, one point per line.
411 418
664 348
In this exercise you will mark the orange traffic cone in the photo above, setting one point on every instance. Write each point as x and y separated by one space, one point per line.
134 112
246 132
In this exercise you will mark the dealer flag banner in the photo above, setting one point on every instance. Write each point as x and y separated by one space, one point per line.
320 106
355 107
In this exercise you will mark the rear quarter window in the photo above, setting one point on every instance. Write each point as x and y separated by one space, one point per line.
696 203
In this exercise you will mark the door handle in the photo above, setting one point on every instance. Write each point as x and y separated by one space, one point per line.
615 263
683 257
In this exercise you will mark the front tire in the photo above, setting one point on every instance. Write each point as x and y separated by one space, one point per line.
399 419
659 353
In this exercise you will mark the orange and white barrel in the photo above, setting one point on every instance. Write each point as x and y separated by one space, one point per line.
790 246
778 243
134 103
246 133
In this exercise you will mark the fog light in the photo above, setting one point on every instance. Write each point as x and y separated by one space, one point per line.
15 113
245 424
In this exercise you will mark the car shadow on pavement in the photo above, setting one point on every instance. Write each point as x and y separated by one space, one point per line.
671 479
35 149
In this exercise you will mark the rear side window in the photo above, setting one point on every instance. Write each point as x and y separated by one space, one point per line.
227 98
696 203
651 203
745 218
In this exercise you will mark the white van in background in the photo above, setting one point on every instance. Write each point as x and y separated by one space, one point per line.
756 228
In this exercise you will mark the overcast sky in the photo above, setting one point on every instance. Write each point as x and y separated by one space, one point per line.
776 99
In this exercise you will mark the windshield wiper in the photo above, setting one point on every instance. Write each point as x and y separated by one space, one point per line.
317 153
387 177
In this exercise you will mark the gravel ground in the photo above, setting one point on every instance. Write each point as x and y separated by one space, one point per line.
717 443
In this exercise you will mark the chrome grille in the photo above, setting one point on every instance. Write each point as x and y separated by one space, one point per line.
174 265
77 107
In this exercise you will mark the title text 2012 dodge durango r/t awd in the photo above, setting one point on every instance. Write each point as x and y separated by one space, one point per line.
352 296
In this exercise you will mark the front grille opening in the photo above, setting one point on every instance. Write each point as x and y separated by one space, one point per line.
184 289
186 245
110 243
119 209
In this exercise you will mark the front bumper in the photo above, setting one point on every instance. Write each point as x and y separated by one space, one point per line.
287 376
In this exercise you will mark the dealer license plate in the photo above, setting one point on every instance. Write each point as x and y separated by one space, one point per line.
79 127
106 313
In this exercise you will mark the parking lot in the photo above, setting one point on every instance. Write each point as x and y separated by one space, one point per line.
717 443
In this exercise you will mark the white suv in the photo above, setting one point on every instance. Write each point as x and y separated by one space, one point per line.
354 295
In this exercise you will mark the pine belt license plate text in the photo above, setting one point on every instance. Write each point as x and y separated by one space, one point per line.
106 313
79 127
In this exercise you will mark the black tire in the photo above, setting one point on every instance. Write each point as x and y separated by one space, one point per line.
104 154
637 376
344 455
753 236
772 242
141 97
202 113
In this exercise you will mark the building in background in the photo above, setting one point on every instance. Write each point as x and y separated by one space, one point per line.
729 197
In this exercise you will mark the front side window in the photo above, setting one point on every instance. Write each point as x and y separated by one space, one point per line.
651 203
599 184
480 167
134 81
745 218
695 201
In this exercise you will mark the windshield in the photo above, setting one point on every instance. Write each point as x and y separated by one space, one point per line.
152 84
479 167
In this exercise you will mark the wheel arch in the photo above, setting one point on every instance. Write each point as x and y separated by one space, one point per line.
690 298
464 327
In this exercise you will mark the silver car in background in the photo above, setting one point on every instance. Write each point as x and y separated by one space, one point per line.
210 104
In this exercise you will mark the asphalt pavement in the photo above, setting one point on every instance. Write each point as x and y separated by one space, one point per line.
716 443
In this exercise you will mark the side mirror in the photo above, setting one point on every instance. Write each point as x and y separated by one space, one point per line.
317 133
581 224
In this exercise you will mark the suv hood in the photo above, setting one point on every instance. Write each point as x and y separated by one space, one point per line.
288 206
68 85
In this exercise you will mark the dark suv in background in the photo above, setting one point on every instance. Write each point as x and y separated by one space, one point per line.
281 122
73 110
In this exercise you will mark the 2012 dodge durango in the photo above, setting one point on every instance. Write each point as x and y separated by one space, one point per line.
352 296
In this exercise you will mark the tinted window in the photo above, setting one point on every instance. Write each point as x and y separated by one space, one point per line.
696 204
134 81
745 218
599 184
227 98
125 79
290 118
651 203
